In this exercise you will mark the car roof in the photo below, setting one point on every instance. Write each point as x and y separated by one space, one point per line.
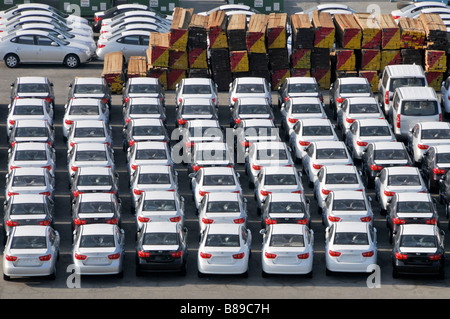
29 171
97 229
220 197
217 170
197 101
89 80
33 32
287 229
31 146
143 80
203 123
417 93
286 170
29 101
405 70
90 147
372 122
210 145
434 125
402 170
316 122
145 100
352 80
351 227
414 229
84 101
224 228
151 145
339 168
30 230
362 100
196 81
329 144
95 170
160 227
32 79
285 197
158 195
415 197
305 100
388 145
344 194
301 79
269 145
96 197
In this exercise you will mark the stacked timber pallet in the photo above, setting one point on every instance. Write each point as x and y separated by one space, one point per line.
390 40
323 43
237 44
302 44
114 71
158 56
198 46
348 40
276 36
137 67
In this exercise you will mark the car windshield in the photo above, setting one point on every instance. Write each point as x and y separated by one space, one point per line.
302 88
321 130
419 108
28 110
151 154
286 207
20 181
164 205
443 158
31 155
404 180
350 238
143 88
222 207
196 89
374 131
254 109
306 108
222 240
402 82
349 204
390 155
32 88
436 134
414 207
196 109
95 207
159 239
94 180
98 241
419 241
280 179
287 240
27 209
89 132
250 88
154 178
142 130
341 178
271 154
89 89
355 88
331 153
364 108
91 156
31 132
29 242
144 109
84 110
218 180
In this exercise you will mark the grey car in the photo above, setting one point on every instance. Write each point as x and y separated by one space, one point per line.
27 180
197 88
32 154
31 131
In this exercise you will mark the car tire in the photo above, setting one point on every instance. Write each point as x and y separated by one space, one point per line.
6 278
72 61
12 61
394 273
245 274
183 270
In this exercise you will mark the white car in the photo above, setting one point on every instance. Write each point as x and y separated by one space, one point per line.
31 131
292 208
98 249
89 131
130 43
336 177
410 10
299 108
249 87
32 154
287 249
143 108
250 108
298 86
193 132
222 208
144 129
152 178
276 179
397 179
132 23
94 87
254 130
350 247
148 153
94 180
84 109
215 154
224 249
196 88
114 22
347 206
445 93
214 179
31 251
438 11
426 134
310 130
323 153
365 131
143 87
356 108
28 109
159 206
89 155
265 154
30 180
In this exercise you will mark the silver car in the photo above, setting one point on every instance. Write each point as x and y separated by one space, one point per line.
31 251
148 153
197 88
32 46
249 87
32 154
140 130
133 23
130 43
143 107
29 180
84 109
31 131
28 109
98 249
89 155
89 131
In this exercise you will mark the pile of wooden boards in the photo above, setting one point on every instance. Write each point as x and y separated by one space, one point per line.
324 40
114 71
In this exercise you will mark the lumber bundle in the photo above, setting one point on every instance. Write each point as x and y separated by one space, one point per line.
301 58
258 61
197 32
239 61
434 79
217 30
390 32
174 76
324 30
158 50
137 67
435 60
320 58
279 59
390 57
178 60
322 76
237 32
370 30
302 31
113 71
158 73
198 58
435 30
344 59
369 59
412 56
256 33
179 29
276 31
277 77
348 32
412 33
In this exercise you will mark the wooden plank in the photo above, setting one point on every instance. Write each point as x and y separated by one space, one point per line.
256 33
178 29
370 29
237 32
276 31
158 50
113 71
217 30
435 30
137 67
390 32
348 32
197 32
412 33
324 30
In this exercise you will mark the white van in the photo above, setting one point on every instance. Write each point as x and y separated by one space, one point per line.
411 105
395 76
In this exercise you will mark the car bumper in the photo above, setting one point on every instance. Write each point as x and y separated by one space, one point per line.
401 268
45 269
144 266
334 265
114 268
239 267
300 268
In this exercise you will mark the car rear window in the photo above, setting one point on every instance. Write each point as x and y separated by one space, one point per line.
144 109
94 180
390 155
280 179
422 241
218 180
222 207
350 238
27 209
317 130
286 207
196 89
89 89
147 130
349 204
419 108
32 88
250 88
158 239
302 88
222 240
91 156
21 181
28 110
89 132
364 108
151 154
159 205
95 207
271 154
154 178
331 153
31 155
414 207
196 109
306 108
29 242
287 240
354 88
91 241
436 134
253 109
143 88
374 131
341 178
84 110
403 180
402 82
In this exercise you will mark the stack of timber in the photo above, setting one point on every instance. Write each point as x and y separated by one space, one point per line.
255 36
323 42
137 67
302 44
236 32
370 30
435 67
217 30
390 40
348 32
220 67
412 56
412 33
279 60
435 30
158 56
197 46
113 71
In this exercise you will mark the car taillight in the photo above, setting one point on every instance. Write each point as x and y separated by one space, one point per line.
48 99
202 193
13 167
239 220
11 223
238 256
12 122
96 18
114 256
134 166
137 191
368 253
348 120
45 258
177 254
438 171
143 219
432 221
270 255
366 219
44 222
302 221
45 193
401 256
131 142
435 257
74 168
334 253
326 191
175 219
256 167
422 146
334 219
72 144
374 167
48 167
317 166
398 121
303 143
361 143
440 117
339 99
286 99
205 255
10 258
78 221
303 256
269 221
386 98
100 46
293 121
265 193
105 100
388 193
113 221
237 121
80 257
182 121
207 221
234 99
68 122
196 167
76 193
297 192
245 143
143 254
12 193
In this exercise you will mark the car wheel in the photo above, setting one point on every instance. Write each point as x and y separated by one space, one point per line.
183 270
6 278
72 61
12 61
395 273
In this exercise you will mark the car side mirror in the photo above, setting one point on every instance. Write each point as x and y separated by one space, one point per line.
192 175
262 231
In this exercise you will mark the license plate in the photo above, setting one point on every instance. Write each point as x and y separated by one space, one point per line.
221 260
96 261
28 262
